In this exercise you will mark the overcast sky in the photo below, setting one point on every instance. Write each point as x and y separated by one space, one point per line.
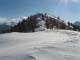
66 9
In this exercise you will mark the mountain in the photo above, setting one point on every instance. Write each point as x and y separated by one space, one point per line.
39 22
5 26
77 23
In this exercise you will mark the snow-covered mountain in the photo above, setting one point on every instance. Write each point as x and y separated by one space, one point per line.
46 45
4 27
6 24
77 23
39 22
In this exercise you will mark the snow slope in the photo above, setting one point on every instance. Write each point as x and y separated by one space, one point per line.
46 45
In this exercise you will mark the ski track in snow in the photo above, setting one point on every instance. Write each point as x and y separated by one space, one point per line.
48 45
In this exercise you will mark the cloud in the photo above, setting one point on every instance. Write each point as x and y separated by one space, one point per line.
69 1
64 1
2 20
7 20
78 18
24 17
75 1
15 19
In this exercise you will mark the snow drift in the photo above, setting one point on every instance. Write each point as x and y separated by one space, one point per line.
45 45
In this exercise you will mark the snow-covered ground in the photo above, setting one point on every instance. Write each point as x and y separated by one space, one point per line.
46 45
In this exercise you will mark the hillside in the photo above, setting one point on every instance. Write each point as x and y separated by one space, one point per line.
46 45
39 22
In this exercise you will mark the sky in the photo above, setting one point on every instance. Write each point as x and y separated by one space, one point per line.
69 10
